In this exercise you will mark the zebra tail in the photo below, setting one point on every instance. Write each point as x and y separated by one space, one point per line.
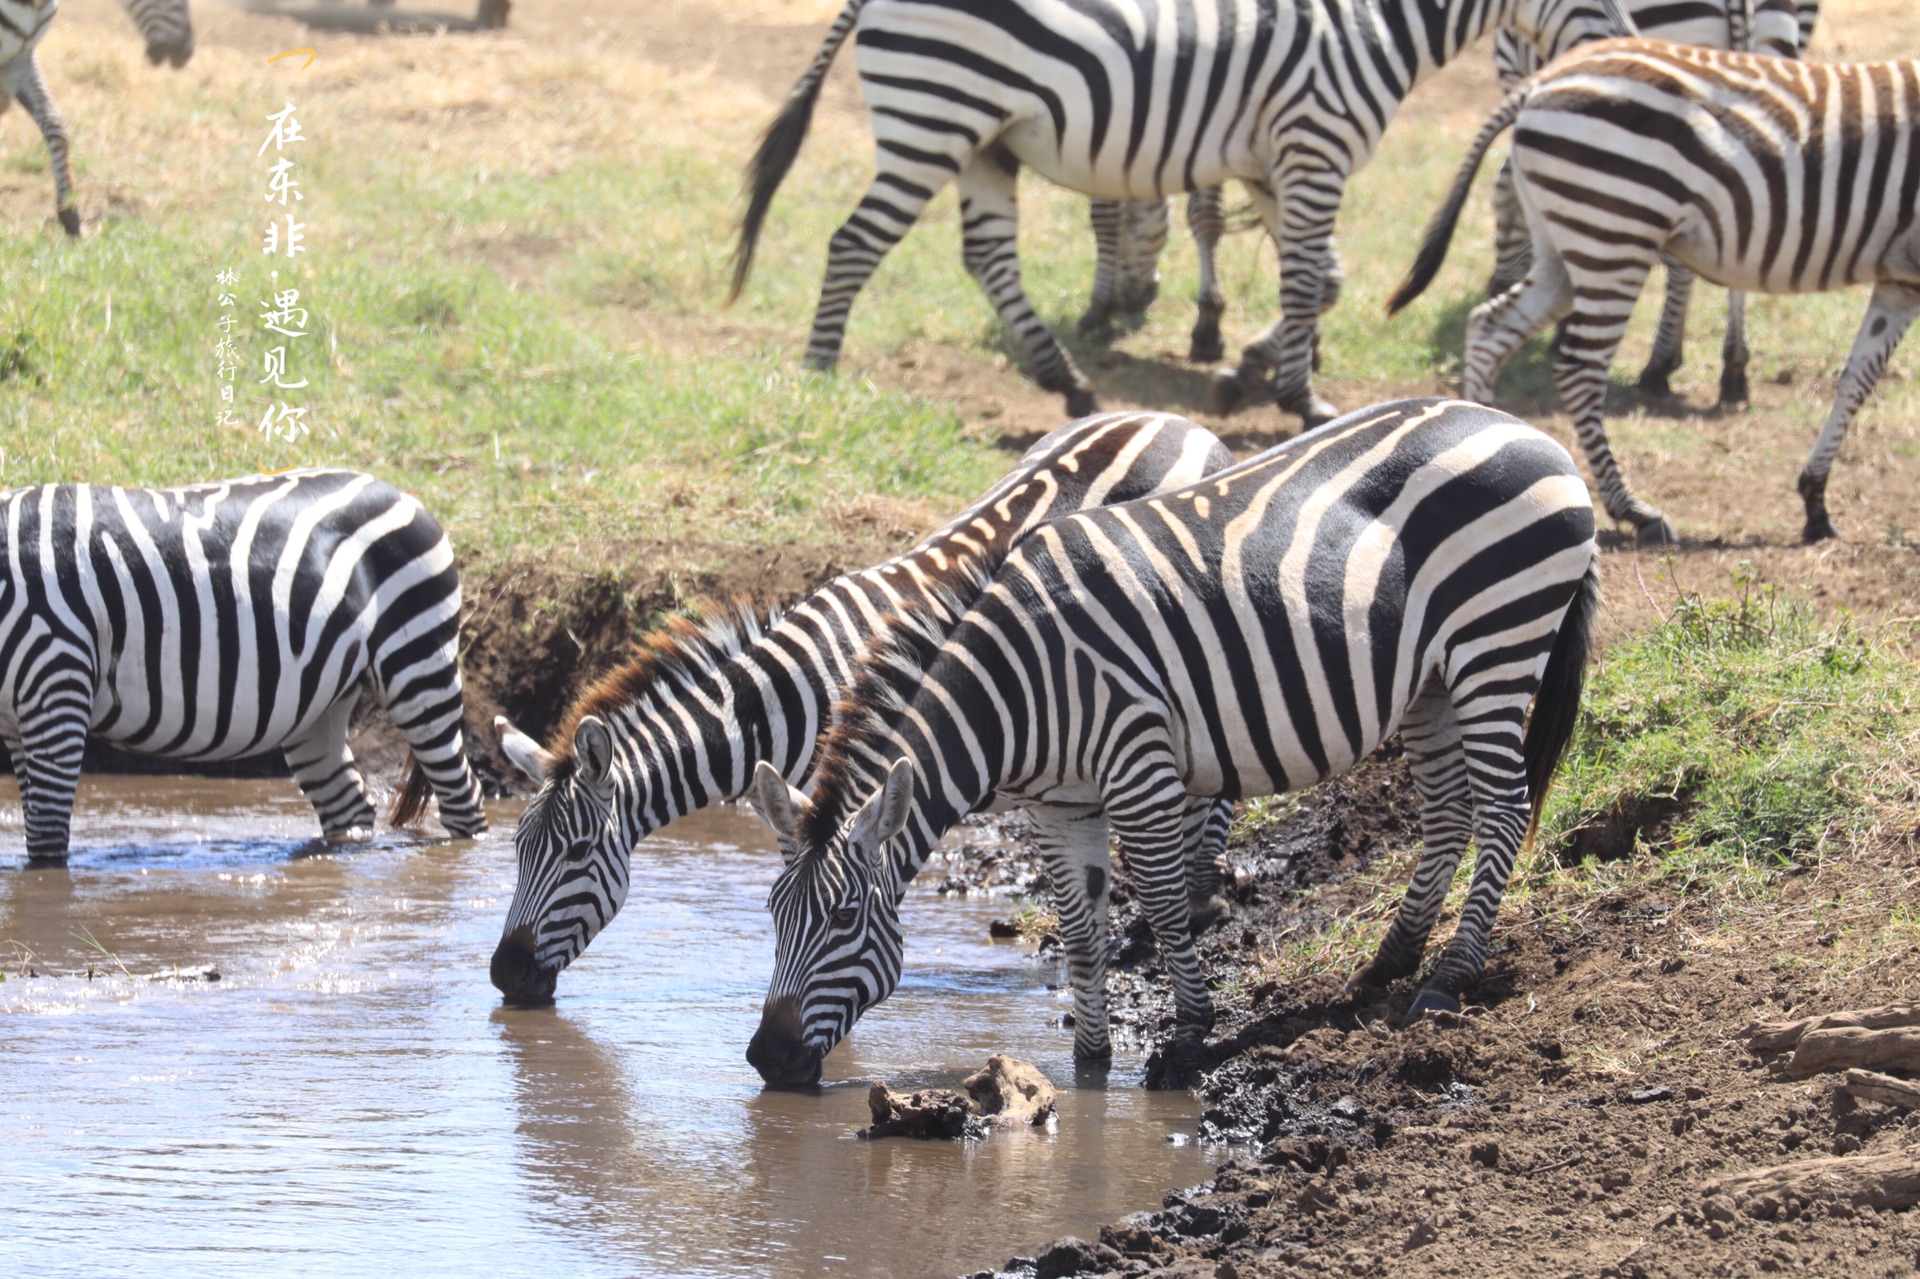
780 144
410 802
1439 232
1556 707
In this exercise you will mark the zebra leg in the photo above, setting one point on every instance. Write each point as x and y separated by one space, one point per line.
1207 221
47 750
1148 809
1143 238
1491 761
1601 308
28 87
892 204
1073 845
1105 215
1733 351
1303 230
1209 821
1438 763
1890 312
1671 338
320 761
1512 242
426 703
989 220
1500 326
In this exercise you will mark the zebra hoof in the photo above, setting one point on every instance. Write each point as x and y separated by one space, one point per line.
1655 532
70 222
1819 529
1312 410
1081 403
1205 348
1231 391
1430 1002
1733 388
1096 325
1654 384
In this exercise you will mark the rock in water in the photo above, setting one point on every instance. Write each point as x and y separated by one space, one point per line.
931 1112
1012 1091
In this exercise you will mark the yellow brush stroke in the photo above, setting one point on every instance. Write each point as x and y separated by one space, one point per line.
283 470
294 53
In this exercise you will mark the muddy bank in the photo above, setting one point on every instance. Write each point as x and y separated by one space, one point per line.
1579 1119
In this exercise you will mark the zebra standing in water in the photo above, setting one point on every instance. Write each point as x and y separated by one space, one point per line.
1424 567
220 621
682 725
1778 27
168 28
1758 173
1120 99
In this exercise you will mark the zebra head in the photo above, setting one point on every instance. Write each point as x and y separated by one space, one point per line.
1554 26
572 862
836 921
168 28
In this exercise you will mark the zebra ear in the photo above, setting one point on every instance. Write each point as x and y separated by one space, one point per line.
779 806
885 815
522 751
593 747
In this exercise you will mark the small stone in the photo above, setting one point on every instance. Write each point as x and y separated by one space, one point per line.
1422 1234
1069 1255
1658 1092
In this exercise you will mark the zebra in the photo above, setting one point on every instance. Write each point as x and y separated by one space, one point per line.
219 621
1119 99
1778 27
168 29
1425 567
1756 172
703 700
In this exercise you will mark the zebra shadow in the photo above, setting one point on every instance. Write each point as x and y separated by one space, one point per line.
386 19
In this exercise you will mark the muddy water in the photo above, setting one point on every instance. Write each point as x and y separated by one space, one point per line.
348 1098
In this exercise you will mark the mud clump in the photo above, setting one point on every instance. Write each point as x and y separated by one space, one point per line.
1011 1091
930 1114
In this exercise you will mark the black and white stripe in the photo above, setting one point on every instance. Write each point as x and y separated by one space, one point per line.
221 621
1777 27
1425 567
684 724
1125 99
1756 173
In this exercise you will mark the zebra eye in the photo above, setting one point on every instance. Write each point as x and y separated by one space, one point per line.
845 915
578 849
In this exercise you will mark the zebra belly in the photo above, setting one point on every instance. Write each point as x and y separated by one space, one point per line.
221 723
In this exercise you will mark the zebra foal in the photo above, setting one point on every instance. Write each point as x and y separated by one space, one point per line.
219 621
1424 567
684 723
1757 173
1123 99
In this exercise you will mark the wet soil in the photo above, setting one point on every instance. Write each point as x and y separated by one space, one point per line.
1572 1122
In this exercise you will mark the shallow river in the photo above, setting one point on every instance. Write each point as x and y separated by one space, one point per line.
349 1098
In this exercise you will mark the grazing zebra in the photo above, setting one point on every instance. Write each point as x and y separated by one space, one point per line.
1758 173
1778 27
682 725
1120 99
167 27
220 621
1424 567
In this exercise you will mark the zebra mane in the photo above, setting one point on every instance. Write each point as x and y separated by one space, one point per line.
885 676
668 658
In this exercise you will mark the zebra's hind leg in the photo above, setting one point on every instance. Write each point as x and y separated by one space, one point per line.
27 86
1500 326
1431 732
1670 341
1143 238
1890 312
1512 242
320 761
1303 230
1073 845
989 221
427 707
1147 807
893 203
47 750
1209 821
1733 352
1207 221
1106 217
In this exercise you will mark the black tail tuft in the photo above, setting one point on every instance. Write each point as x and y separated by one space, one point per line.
410 802
1439 233
1556 707
778 148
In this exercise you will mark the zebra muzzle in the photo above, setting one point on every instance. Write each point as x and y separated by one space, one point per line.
518 974
777 1050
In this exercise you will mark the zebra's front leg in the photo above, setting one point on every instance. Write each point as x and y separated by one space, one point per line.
1512 241
320 761
1105 215
1890 312
1148 810
1670 342
1073 846
893 203
1733 352
51 741
1207 221
1208 823
26 85
989 221
1303 230
1431 733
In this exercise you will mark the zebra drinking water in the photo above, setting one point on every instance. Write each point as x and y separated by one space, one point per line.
1424 567
684 723
1757 173
1124 100
220 621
